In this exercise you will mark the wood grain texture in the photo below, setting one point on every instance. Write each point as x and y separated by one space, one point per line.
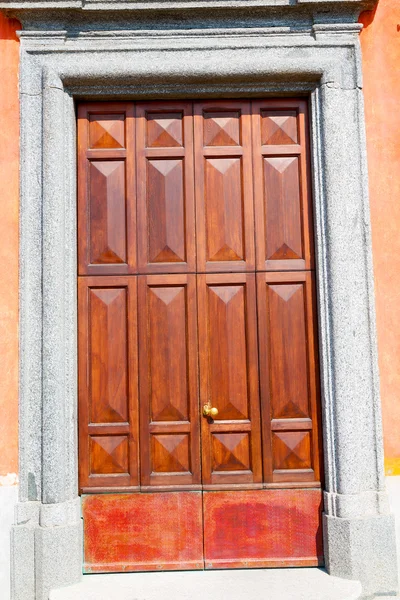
282 192
169 410
166 225
142 532
224 186
108 394
231 444
106 189
289 376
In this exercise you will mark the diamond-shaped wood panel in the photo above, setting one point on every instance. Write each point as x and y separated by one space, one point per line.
228 381
167 331
166 211
170 453
106 131
288 351
291 449
107 212
109 454
231 452
222 128
283 227
279 127
164 130
224 209
108 366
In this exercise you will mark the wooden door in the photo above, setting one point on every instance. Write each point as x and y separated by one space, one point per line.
197 294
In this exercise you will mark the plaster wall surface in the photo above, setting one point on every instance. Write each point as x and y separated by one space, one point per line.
9 174
380 45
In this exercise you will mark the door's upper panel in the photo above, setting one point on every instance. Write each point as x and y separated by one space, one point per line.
106 189
224 186
166 225
283 208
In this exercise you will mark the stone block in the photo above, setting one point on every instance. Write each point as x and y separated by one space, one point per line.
363 549
58 554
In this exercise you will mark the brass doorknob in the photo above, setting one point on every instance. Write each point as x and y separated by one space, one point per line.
210 411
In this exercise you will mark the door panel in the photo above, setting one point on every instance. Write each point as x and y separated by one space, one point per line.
283 208
231 444
262 528
108 401
106 189
170 446
224 186
289 376
143 532
166 231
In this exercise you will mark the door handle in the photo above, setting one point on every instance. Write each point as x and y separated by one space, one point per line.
210 411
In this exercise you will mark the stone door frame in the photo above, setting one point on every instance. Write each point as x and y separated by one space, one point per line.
69 54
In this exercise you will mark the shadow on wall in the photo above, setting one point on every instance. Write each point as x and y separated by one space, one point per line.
367 17
8 27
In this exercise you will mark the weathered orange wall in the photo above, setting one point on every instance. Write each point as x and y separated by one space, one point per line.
9 166
380 42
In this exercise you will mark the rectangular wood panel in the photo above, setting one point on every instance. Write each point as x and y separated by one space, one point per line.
224 186
262 528
166 229
108 396
282 191
289 376
170 445
231 445
143 532
106 189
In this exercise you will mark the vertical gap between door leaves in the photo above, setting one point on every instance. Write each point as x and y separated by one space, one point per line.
197 326
139 447
256 250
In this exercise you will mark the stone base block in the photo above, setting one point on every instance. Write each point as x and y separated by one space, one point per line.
44 558
22 562
363 549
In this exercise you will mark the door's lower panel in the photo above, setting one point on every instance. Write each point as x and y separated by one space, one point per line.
143 532
262 528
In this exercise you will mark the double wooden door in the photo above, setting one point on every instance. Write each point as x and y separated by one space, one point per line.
196 294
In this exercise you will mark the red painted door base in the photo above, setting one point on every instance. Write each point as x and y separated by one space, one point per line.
262 528
143 532
164 531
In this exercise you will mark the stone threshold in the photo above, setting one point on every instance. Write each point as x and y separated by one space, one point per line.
241 584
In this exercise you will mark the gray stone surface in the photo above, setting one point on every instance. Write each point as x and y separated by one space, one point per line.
46 548
274 584
334 6
102 54
393 488
8 499
363 549
58 557
23 562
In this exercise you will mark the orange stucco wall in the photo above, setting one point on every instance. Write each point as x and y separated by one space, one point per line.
380 42
9 165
